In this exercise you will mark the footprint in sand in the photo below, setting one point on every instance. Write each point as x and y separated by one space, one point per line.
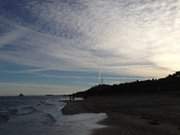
154 122
150 120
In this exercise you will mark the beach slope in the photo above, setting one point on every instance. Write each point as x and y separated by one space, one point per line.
133 114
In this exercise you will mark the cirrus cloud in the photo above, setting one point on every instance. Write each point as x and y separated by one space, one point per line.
122 37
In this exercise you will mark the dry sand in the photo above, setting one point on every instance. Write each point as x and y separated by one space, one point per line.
153 114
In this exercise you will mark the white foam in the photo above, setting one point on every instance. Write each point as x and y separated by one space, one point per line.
49 120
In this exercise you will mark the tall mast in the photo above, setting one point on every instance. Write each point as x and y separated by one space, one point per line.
100 78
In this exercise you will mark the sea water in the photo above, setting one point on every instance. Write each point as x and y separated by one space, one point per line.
41 115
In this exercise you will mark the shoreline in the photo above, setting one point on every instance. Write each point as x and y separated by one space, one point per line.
80 107
132 114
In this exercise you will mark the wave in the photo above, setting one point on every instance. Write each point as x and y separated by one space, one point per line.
4 116
46 103
50 119
26 110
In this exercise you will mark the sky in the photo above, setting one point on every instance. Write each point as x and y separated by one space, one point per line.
61 46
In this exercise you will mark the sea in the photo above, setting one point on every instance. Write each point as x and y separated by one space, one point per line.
42 115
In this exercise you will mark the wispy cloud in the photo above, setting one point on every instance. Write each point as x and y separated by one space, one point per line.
118 36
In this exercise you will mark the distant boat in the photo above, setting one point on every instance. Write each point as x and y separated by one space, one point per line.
49 95
21 95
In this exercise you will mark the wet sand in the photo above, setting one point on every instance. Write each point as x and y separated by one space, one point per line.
153 114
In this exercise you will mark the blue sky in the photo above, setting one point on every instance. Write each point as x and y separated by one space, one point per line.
61 46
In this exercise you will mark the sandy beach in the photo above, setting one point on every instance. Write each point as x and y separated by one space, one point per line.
152 114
